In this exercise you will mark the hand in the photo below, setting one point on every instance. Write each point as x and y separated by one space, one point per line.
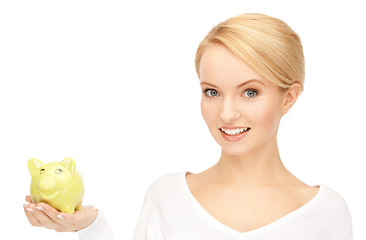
43 215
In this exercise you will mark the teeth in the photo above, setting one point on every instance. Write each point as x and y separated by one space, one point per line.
234 131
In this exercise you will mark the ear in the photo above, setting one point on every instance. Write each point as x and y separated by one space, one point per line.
290 96
34 166
69 163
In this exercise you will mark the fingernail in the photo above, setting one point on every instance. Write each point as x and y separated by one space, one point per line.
29 209
40 208
25 203
60 216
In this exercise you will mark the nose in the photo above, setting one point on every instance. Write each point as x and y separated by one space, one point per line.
229 112
47 183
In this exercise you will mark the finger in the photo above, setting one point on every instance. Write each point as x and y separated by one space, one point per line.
51 212
83 217
70 218
44 219
51 219
30 207
28 199
73 217
31 218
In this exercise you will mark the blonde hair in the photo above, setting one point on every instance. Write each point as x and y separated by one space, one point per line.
268 45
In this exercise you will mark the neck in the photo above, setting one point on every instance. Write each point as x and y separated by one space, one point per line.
257 168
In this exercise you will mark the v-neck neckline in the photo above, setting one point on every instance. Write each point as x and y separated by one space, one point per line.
260 230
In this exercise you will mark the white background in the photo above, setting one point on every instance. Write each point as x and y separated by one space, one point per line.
113 85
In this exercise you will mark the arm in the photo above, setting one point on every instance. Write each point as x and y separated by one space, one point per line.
148 226
98 230
348 235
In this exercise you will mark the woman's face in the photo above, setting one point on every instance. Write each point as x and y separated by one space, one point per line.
235 97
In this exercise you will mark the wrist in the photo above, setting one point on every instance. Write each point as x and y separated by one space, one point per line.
97 229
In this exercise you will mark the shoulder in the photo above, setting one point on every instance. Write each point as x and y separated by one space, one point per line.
334 204
166 184
333 197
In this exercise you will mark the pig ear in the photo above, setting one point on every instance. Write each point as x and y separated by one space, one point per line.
69 163
34 166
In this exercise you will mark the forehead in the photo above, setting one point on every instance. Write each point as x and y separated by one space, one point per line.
220 65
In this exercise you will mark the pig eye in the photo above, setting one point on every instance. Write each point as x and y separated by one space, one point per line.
41 171
58 171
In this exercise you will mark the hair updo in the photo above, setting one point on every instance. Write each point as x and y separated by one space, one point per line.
268 45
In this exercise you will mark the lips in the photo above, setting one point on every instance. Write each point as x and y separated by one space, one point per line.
234 133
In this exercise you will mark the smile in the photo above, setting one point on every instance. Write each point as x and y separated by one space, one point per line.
48 195
235 131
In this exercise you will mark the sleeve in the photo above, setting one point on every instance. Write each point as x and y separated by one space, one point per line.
148 226
348 222
98 230
348 235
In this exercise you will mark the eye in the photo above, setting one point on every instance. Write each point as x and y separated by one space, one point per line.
250 92
41 171
210 92
58 171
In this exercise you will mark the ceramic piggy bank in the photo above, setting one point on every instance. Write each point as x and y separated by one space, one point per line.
58 184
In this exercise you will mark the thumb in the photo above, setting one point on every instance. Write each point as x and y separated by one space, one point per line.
82 218
28 199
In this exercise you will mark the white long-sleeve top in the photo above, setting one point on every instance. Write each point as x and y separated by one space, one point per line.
98 230
170 212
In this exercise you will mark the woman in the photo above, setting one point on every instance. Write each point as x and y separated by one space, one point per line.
251 71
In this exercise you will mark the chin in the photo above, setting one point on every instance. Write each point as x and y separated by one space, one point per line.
235 151
234 148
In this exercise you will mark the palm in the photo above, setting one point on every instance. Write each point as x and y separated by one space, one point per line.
43 215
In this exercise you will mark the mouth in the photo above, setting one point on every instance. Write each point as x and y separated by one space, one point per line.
234 131
48 195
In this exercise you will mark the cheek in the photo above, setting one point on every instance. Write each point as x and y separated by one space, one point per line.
208 112
265 115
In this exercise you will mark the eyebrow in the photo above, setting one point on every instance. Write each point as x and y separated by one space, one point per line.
240 85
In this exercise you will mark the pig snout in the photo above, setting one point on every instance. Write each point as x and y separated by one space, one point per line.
47 183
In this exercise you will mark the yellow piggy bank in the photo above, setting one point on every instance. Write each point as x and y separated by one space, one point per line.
58 184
